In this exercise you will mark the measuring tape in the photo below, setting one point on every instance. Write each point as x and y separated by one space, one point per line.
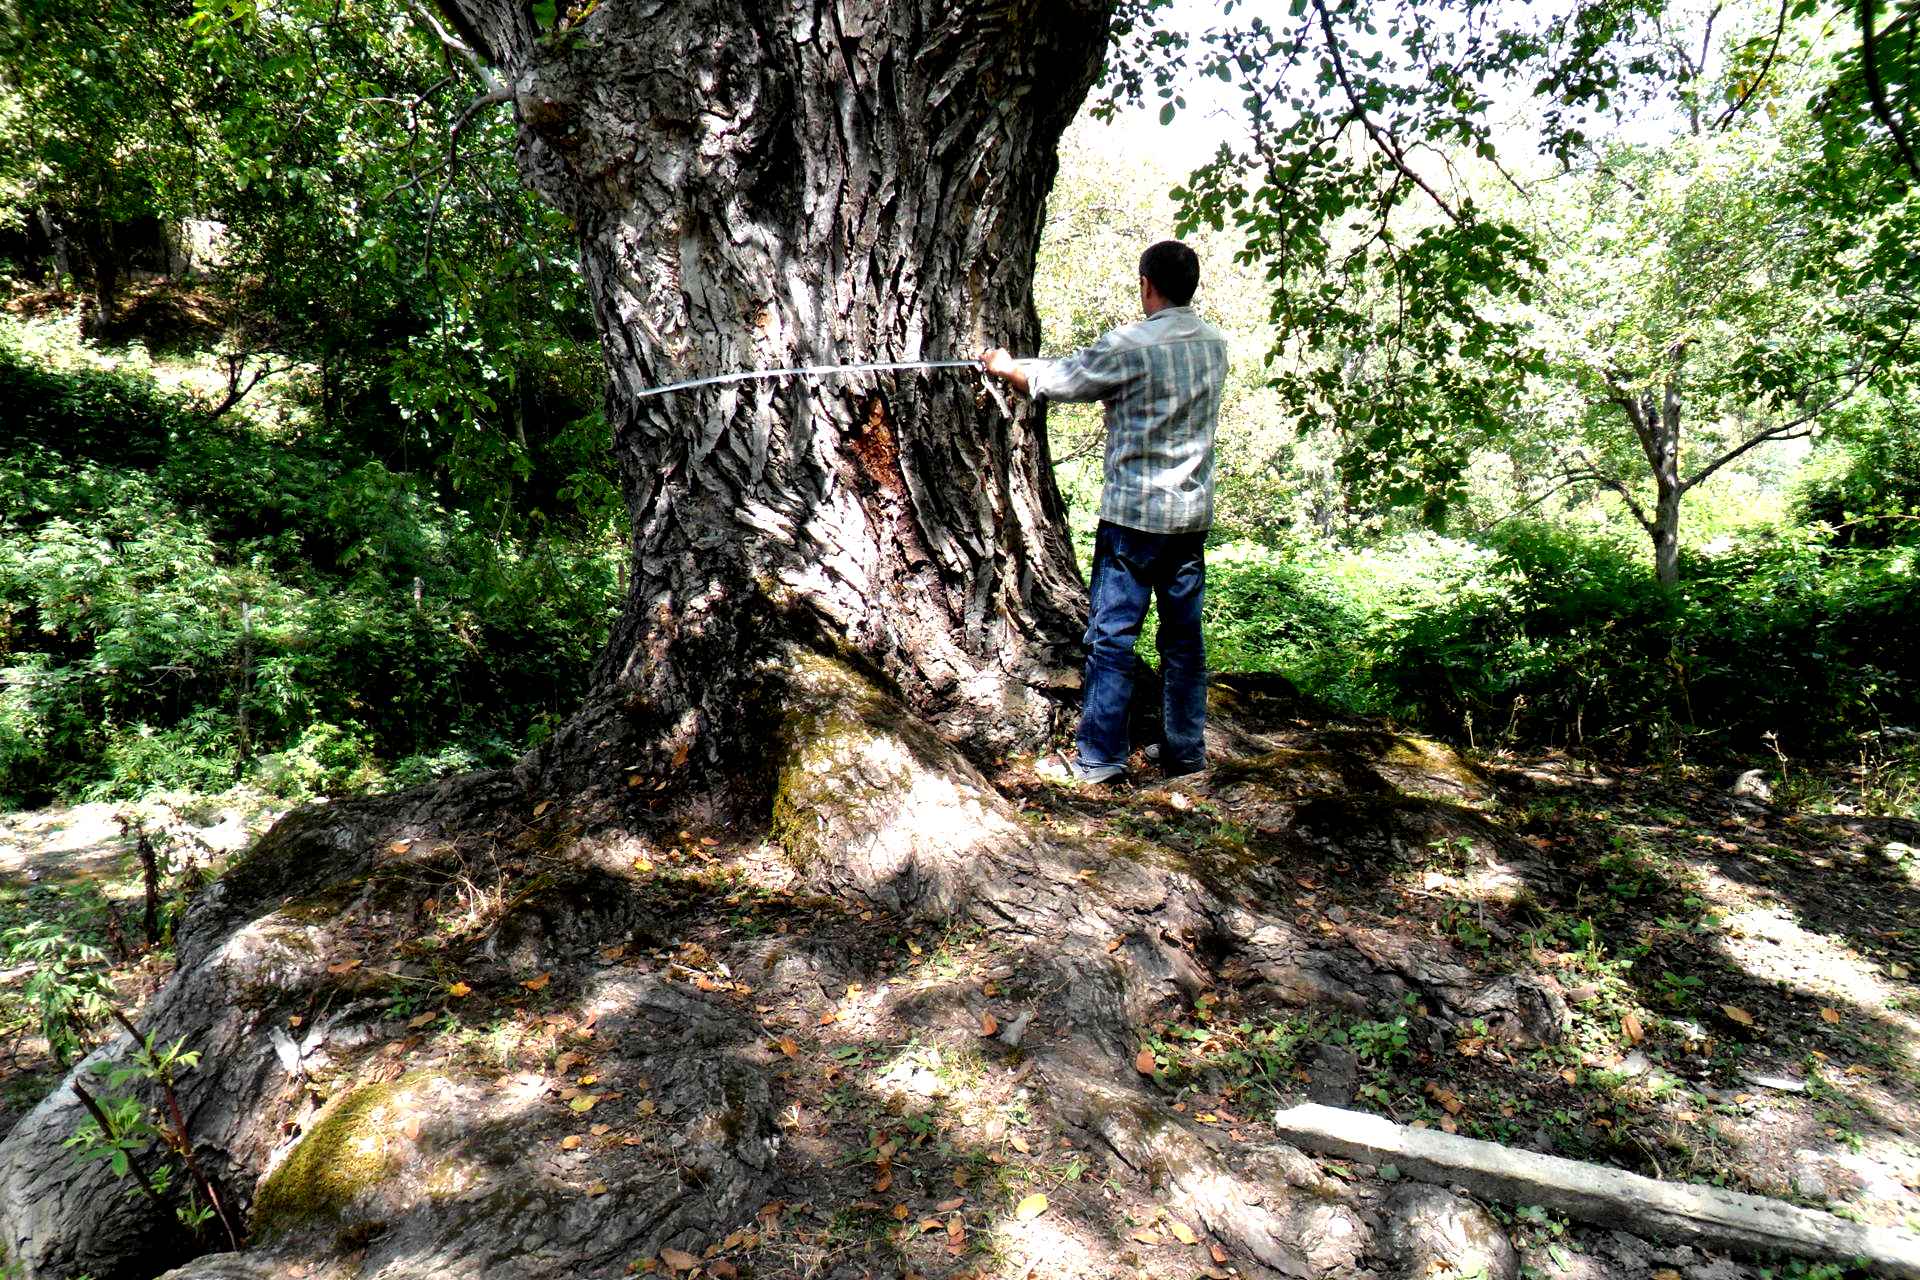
809 371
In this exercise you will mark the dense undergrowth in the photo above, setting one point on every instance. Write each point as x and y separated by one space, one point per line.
188 601
1540 635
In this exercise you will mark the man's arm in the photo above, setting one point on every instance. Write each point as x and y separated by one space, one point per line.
1096 373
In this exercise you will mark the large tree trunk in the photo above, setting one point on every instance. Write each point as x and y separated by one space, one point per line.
762 187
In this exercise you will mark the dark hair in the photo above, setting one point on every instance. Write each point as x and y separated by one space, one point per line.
1173 270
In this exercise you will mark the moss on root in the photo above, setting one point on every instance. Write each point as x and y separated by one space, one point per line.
348 1149
832 755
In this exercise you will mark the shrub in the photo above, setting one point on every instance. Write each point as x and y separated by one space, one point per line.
186 602
1546 635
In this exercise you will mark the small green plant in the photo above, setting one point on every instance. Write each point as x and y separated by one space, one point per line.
67 985
1381 1044
148 1145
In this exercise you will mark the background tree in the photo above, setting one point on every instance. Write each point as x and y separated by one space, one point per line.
1370 182
1690 316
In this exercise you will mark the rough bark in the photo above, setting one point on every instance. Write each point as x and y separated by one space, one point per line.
768 186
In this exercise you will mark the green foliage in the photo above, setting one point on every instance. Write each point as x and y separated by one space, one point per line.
67 987
186 602
1473 250
1866 485
1539 634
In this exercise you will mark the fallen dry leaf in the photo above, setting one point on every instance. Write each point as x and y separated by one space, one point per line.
1148 1238
1143 1062
420 1020
721 1269
343 966
539 983
571 1142
1031 1207
599 1130
459 989
1738 1014
679 1259
400 846
828 1018
1182 1232
1219 1254
901 1212
584 1103
948 1206
884 1178
1830 1016
1018 1143
956 1234
1631 1025
597 1189
1114 945
542 807
989 1025
788 1047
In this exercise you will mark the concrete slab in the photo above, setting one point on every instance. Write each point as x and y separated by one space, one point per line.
1601 1195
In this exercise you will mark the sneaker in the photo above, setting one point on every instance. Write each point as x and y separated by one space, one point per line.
1061 767
1153 757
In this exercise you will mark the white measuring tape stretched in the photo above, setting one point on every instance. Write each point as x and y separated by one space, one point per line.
809 371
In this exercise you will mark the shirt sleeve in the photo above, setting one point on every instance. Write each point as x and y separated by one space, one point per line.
1094 373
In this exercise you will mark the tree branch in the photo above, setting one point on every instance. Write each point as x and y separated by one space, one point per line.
1382 139
1790 430
473 54
1877 89
1599 477
1566 482
1753 86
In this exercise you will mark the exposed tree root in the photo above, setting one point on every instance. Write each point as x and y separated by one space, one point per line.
437 1149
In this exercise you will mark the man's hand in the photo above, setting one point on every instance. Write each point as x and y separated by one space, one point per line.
1001 364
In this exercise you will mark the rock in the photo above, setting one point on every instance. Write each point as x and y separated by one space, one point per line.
1752 786
1336 1073
1432 1231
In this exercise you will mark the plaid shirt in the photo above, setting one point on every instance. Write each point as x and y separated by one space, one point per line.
1160 379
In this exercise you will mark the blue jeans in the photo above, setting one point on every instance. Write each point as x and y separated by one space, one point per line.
1128 567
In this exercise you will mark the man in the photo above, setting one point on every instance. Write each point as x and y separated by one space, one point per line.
1160 379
